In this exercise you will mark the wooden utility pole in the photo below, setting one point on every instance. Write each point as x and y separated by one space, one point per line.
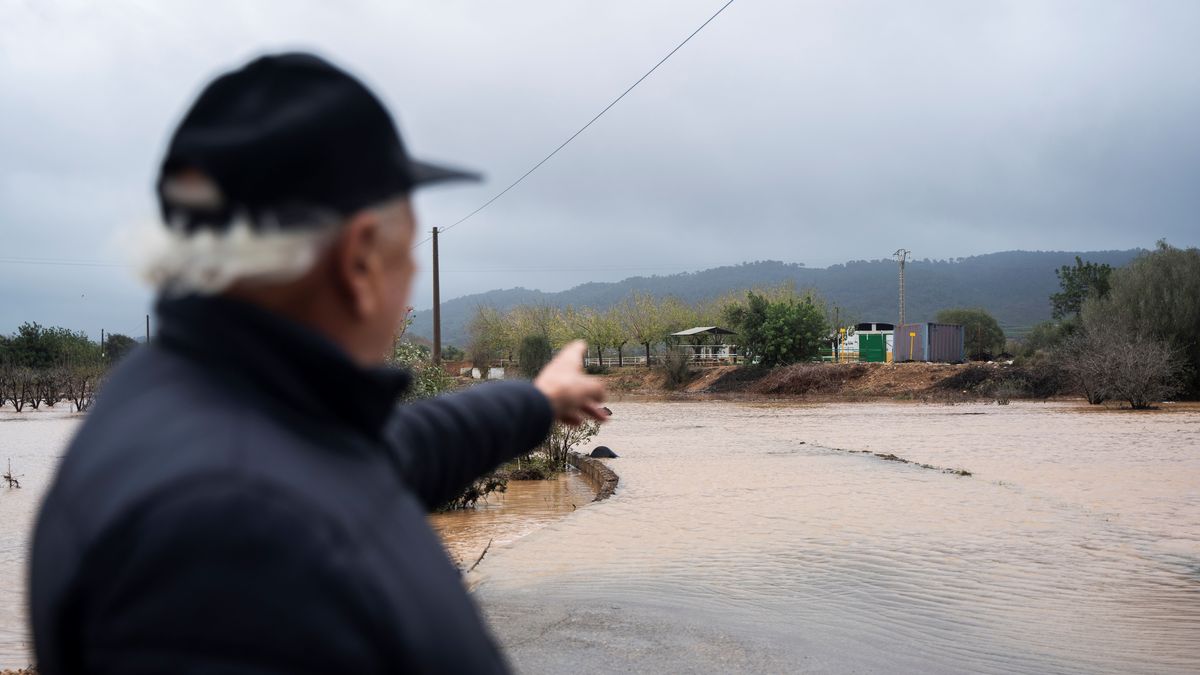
437 303
147 329
101 342
901 256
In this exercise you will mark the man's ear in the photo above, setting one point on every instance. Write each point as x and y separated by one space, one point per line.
357 263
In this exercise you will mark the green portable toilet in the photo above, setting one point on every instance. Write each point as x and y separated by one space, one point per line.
872 348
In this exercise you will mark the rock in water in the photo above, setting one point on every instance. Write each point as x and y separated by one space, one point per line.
603 452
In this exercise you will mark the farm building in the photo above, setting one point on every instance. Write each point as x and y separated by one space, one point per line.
935 342
868 342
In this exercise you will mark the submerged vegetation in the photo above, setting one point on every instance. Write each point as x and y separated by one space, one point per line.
552 456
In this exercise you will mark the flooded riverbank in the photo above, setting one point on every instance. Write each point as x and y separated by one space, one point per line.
747 537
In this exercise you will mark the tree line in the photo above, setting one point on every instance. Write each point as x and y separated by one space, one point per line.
45 366
1128 334
773 325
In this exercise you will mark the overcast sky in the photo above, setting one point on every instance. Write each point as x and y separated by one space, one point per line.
812 132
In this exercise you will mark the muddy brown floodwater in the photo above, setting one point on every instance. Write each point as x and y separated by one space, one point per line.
753 537
34 442
526 506
743 539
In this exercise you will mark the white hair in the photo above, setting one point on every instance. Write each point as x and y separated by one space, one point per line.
207 262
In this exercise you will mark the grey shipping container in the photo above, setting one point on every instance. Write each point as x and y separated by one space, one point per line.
939 342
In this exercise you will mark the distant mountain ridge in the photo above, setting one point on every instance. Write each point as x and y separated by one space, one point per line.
1014 286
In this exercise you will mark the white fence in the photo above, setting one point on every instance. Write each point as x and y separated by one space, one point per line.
709 355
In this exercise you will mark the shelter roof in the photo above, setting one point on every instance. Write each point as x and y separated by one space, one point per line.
699 330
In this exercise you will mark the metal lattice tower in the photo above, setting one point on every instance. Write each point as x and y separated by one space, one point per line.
901 256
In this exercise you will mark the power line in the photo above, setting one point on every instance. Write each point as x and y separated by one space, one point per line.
498 195
56 261
598 115
609 268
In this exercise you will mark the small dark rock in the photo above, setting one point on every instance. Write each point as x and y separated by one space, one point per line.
604 452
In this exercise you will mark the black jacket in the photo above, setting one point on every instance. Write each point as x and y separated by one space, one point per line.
244 499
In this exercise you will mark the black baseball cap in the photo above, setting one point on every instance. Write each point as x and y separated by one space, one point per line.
284 135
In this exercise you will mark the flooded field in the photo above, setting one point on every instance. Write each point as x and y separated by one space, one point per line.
748 537
33 442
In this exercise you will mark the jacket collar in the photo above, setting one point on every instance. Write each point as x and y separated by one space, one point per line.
286 361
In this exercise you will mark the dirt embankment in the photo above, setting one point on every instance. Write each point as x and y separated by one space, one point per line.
849 381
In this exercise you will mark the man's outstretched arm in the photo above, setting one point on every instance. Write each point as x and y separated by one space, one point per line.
447 442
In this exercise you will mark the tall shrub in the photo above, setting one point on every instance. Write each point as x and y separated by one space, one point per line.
534 354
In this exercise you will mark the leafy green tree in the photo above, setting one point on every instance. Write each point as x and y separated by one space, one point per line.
34 346
428 378
117 346
1084 280
779 332
982 335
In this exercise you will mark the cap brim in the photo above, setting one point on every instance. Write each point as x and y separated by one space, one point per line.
424 173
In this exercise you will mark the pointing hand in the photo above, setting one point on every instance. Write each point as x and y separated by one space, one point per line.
575 397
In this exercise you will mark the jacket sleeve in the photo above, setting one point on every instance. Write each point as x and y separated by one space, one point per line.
445 443
217 578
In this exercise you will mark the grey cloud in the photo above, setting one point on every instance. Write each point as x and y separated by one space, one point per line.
804 131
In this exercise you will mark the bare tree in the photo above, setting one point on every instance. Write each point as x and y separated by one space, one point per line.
50 386
1105 363
81 385
1145 371
19 385
1084 356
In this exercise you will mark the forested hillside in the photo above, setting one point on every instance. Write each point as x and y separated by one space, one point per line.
1013 285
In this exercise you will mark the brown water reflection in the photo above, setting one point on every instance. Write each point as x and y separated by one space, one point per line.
741 539
526 506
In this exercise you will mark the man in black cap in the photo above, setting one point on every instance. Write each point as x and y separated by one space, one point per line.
246 496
